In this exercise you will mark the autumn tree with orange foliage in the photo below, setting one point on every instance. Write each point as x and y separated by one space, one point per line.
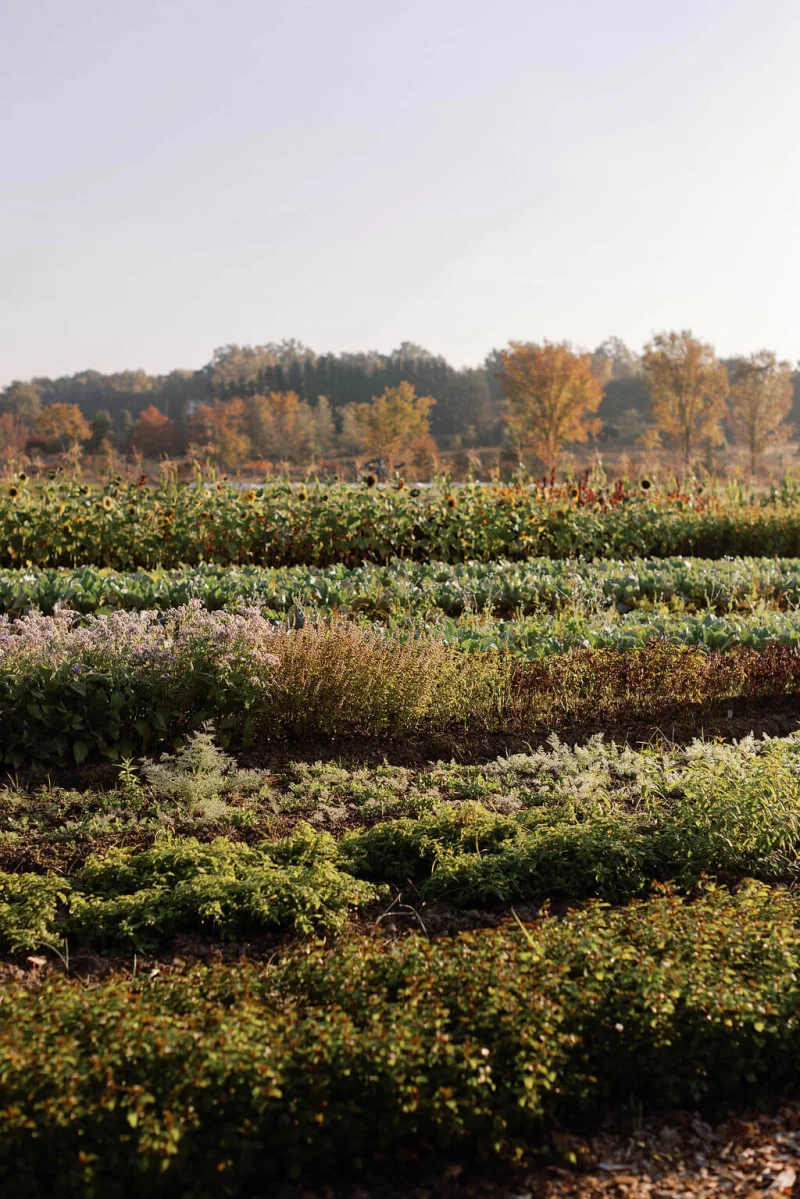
62 426
219 428
153 433
761 399
689 390
393 423
550 392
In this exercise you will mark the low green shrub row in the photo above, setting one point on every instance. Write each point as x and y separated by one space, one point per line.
215 1080
707 821
503 588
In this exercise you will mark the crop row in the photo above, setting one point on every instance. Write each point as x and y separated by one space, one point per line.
200 791
113 685
711 819
65 523
536 637
500 588
580 622
212 1080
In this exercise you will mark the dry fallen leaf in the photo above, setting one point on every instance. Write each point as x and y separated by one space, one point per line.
784 1183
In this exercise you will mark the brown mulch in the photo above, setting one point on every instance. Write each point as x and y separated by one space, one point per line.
682 1158
730 720
687 1157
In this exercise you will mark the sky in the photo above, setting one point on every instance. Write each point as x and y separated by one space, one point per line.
177 175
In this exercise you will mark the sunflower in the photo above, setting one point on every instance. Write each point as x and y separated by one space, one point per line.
574 492
108 503
370 480
61 508
23 478
13 493
249 497
451 501
400 484
645 484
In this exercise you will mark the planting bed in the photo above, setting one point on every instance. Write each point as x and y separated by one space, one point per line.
346 873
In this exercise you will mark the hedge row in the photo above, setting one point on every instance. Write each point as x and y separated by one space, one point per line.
213 1081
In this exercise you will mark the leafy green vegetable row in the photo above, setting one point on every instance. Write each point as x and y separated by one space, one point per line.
502 588
541 636
214 1080
66 523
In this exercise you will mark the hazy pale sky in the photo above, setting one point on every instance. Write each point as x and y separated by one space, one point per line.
180 174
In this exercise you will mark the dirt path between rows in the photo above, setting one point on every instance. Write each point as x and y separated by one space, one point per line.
729 720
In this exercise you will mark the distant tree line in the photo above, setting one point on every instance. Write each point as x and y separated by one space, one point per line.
283 402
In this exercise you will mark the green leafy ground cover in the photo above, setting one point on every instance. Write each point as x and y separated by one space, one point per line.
578 822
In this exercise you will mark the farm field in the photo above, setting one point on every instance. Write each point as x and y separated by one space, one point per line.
327 859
